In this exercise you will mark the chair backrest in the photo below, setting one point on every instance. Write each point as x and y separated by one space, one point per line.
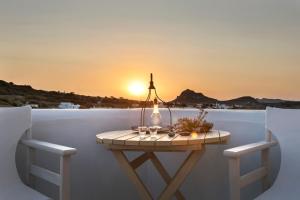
285 125
13 124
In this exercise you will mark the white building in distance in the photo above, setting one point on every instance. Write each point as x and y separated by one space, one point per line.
222 106
68 105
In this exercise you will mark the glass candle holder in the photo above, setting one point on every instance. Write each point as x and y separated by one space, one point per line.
153 131
142 131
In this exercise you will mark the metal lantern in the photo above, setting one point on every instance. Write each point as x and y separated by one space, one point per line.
155 117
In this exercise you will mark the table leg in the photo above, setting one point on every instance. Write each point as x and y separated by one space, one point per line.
172 183
164 174
181 174
124 163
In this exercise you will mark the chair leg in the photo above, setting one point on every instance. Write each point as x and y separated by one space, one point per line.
30 159
234 178
265 162
64 189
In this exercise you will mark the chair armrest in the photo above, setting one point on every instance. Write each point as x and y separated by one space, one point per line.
249 148
46 146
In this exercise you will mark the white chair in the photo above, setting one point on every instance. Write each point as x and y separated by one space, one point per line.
285 125
14 122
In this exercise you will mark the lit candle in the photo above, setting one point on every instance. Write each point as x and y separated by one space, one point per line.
155 117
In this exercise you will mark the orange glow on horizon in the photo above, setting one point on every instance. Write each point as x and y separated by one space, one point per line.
194 135
136 88
116 44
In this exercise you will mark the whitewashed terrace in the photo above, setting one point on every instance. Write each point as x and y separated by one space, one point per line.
95 174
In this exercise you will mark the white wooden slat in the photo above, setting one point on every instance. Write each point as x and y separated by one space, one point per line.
129 138
165 140
180 140
212 137
150 141
249 148
166 148
212 134
45 174
253 176
121 140
199 139
49 147
109 134
101 136
108 137
135 140
218 136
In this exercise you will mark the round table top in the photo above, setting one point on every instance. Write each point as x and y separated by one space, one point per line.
130 140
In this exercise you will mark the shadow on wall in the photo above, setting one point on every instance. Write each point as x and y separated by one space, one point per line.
95 173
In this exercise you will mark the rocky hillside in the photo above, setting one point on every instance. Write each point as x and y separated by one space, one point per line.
191 98
19 95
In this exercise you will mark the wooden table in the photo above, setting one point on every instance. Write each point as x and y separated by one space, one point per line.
127 140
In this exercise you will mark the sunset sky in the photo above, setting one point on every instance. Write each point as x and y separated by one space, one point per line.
224 49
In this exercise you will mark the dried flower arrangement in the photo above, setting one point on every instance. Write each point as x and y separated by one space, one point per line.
185 126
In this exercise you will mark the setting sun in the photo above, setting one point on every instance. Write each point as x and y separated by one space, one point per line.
136 88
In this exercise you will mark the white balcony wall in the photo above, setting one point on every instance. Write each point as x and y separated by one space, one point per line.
96 174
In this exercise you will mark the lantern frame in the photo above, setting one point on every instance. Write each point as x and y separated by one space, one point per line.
146 102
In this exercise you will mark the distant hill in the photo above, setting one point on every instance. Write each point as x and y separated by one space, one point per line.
19 95
270 101
245 102
191 98
241 101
